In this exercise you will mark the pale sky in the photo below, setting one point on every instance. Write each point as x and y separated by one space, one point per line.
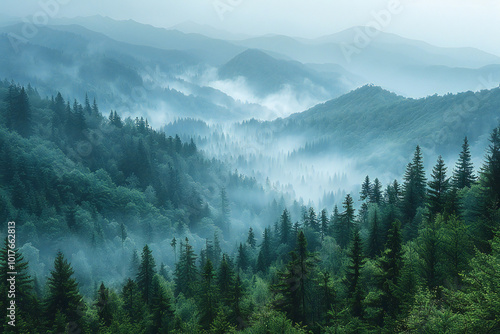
449 23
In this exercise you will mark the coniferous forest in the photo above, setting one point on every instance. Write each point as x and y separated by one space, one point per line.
121 228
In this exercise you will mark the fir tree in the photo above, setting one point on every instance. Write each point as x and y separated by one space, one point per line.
438 189
242 259
103 308
146 274
63 295
463 174
376 194
133 304
353 276
366 189
413 188
225 281
324 224
285 227
251 239
390 264
185 271
161 307
207 295
346 226
374 237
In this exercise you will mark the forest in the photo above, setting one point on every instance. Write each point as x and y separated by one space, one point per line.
121 228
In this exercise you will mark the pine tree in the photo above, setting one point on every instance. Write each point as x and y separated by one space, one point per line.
146 274
438 189
133 304
293 282
313 220
346 226
335 225
285 227
490 183
324 224
161 307
463 174
207 295
374 237
185 271
430 250
366 189
134 264
376 194
390 264
242 259
225 211
353 275
103 308
225 281
251 239
63 295
173 243
414 187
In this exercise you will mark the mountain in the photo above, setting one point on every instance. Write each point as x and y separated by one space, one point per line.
190 27
388 60
267 75
213 51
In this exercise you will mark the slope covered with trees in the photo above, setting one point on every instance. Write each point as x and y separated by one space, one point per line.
418 254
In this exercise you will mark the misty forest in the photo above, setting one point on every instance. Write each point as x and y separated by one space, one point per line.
170 182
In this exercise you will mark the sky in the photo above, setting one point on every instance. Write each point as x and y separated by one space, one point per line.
448 23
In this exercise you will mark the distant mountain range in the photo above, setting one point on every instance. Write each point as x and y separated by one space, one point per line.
166 73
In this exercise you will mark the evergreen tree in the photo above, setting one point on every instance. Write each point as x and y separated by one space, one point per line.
366 189
463 174
335 226
185 271
285 227
490 182
376 194
353 276
374 237
173 243
313 220
430 251
161 307
225 211
293 282
225 281
324 224
134 264
103 308
133 304
63 295
414 187
390 264
242 259
146 274
438 189
251 239
207 296
346 226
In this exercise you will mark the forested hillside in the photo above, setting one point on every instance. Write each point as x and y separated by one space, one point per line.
121 228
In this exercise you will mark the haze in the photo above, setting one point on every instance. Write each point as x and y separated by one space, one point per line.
448 23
